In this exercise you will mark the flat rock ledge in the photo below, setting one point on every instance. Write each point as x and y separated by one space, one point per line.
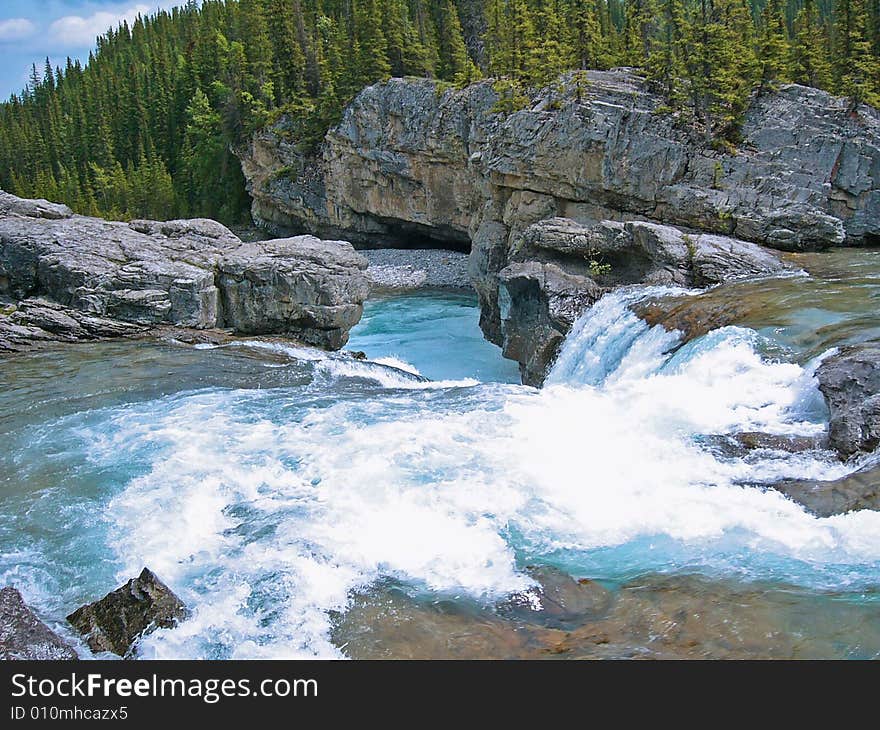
65 277
24 636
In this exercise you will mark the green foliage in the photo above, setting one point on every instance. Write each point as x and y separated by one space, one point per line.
808 63
148 125
511 97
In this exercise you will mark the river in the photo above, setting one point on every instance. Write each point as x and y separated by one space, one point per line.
273 487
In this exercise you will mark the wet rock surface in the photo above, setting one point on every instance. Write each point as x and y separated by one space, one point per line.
859 490
589 170
538 304
740 444
75 278
655 617
850 382
24 636
115 622
557 601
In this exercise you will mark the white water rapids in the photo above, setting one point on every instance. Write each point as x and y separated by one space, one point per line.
264 508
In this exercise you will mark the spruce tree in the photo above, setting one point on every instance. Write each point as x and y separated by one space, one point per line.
808 63
774 49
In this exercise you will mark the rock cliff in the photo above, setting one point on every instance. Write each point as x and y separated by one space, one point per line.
71 277
591 173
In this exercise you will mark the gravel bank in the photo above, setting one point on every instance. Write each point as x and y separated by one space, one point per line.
394 268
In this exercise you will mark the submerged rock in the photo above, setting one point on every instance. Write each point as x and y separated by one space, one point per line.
859 490
120 618
850 382
653 617
24 636
739 444
558 600
185 273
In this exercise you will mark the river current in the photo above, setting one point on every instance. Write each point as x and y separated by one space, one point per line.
268 483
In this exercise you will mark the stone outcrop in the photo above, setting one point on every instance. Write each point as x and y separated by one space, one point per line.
24 636
850 382
75 277
538 304
596 164
119 619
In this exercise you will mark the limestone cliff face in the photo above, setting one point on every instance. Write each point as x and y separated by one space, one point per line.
412 159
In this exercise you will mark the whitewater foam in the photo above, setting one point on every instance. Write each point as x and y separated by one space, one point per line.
265 509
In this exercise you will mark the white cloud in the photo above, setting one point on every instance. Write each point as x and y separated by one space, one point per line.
76 31
16 28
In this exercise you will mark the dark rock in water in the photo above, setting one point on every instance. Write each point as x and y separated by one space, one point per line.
859 490
692 316
739 444
358 354
24 636
115 622
850 382
539 304
558 601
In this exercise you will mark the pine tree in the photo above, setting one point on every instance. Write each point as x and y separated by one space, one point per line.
857 69
586 40
665 65
373 64
808 63
551 54
774 49
454 63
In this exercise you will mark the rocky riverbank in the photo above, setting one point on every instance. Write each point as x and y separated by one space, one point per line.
66 278
594 152
407 269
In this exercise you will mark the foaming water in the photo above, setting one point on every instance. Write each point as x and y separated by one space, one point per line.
265 495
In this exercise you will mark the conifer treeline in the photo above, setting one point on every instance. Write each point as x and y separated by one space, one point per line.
145 127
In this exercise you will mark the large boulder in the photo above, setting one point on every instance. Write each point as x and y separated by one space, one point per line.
304 285
119 619
186 273
850 382
538 305
24 636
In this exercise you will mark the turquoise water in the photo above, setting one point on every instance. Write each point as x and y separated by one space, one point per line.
265 482
436 332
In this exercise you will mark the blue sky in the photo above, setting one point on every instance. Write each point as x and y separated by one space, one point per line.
30 30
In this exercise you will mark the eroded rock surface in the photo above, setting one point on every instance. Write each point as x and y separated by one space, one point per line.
655 617
24 636
859 490
591 160
71 277
850 382
119 619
